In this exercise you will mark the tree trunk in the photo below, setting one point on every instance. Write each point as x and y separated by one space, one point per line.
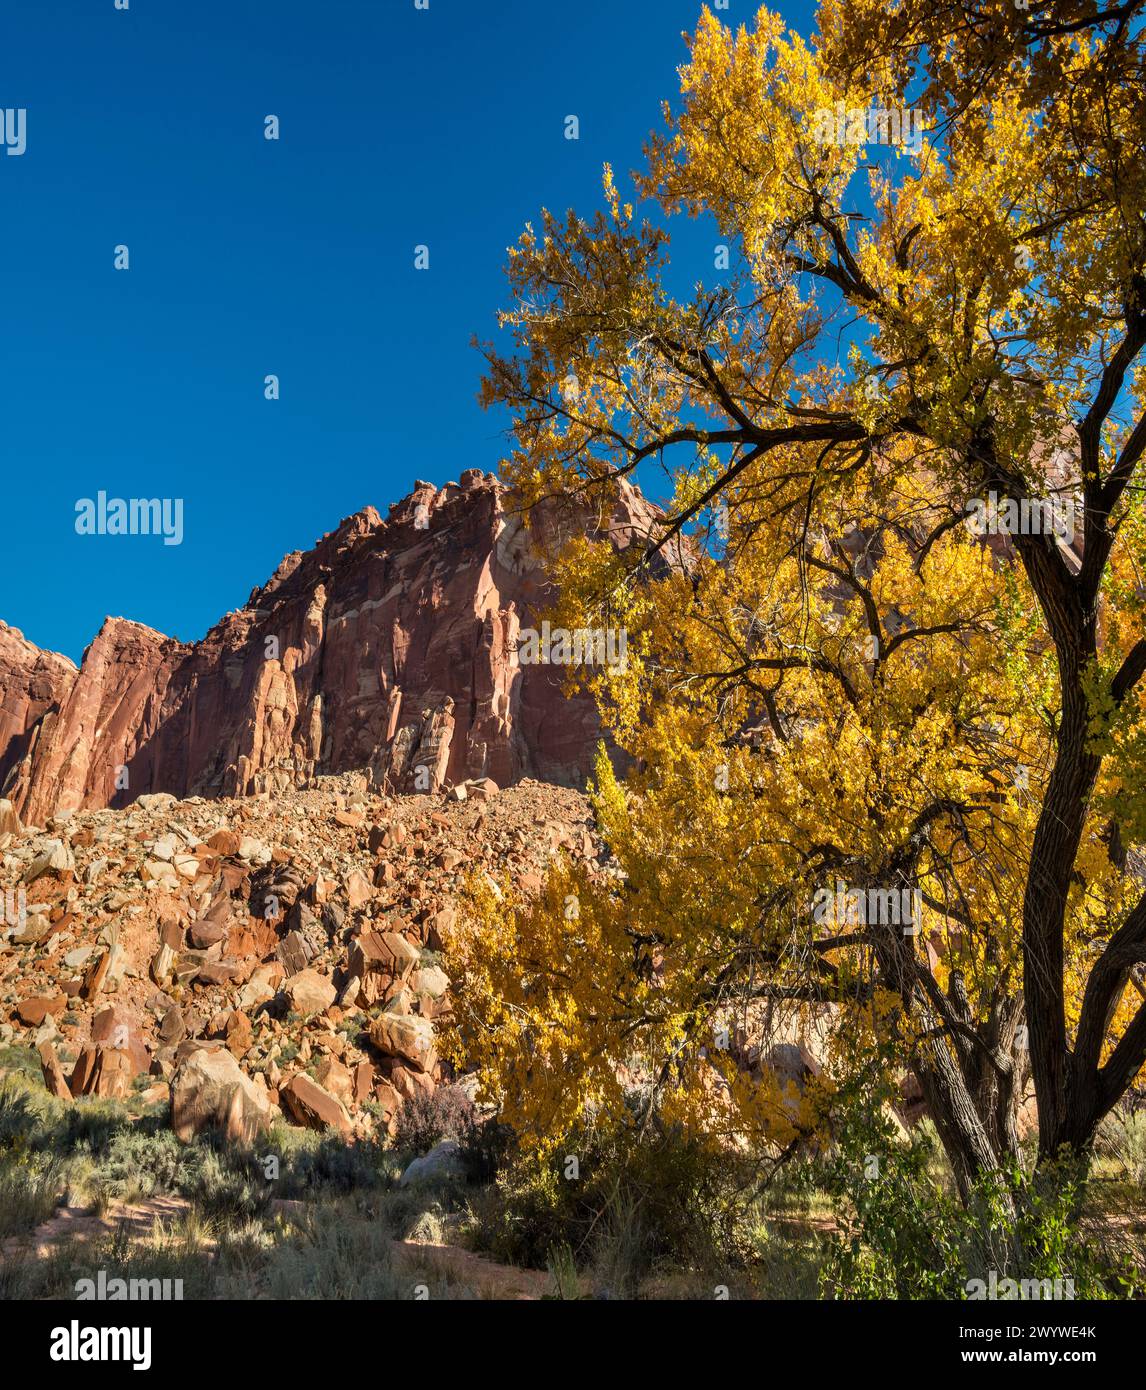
964 1136
973 1112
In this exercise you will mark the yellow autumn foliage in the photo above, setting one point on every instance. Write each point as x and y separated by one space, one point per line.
833 682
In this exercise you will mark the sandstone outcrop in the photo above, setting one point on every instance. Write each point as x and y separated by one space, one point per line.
34 685
393 645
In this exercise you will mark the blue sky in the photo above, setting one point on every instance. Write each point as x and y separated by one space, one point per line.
248 257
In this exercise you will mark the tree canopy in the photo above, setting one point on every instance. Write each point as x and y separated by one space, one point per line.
843 704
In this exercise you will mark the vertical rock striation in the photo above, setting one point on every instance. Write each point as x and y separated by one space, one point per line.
391 645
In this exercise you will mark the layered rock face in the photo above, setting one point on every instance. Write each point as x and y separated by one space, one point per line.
391 646
33 686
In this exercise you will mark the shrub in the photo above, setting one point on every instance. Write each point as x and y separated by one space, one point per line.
904 1236
23 1062
331 1165
89 1125
637 1206
224 1182
29 1192
334 1256
1122 1139
425 1120
486 1149
138 1161
19 1117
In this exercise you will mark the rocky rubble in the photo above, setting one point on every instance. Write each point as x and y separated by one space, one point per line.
258 956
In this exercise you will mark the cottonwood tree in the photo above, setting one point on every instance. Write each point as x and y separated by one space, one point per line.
836 689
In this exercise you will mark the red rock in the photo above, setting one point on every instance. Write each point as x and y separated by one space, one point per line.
120 1027
54 1077
103 1071
171 934
358 889
204 934
363 1082
387 953
209 1091
400 653
32 1012
234 877
409 1084
256 939
95 975
225 842
240 1033
173 1028
292 953
33 687
440 925
388 1097
220 972
334 1076
312 1106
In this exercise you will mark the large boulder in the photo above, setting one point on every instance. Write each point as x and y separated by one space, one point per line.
210 1091
442 1164
103 1071
314 1107
309 992
407 1036
119 1026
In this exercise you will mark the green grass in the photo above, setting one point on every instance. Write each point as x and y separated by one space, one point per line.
28 1195
669 1222
233 1241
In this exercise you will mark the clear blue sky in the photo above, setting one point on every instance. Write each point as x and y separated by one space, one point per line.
249 257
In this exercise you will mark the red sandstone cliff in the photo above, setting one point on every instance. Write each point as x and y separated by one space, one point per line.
33 685
391 646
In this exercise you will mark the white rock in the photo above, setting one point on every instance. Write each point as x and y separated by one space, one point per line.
442 1164
431 980
159 874
186 866
55 857
258 988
